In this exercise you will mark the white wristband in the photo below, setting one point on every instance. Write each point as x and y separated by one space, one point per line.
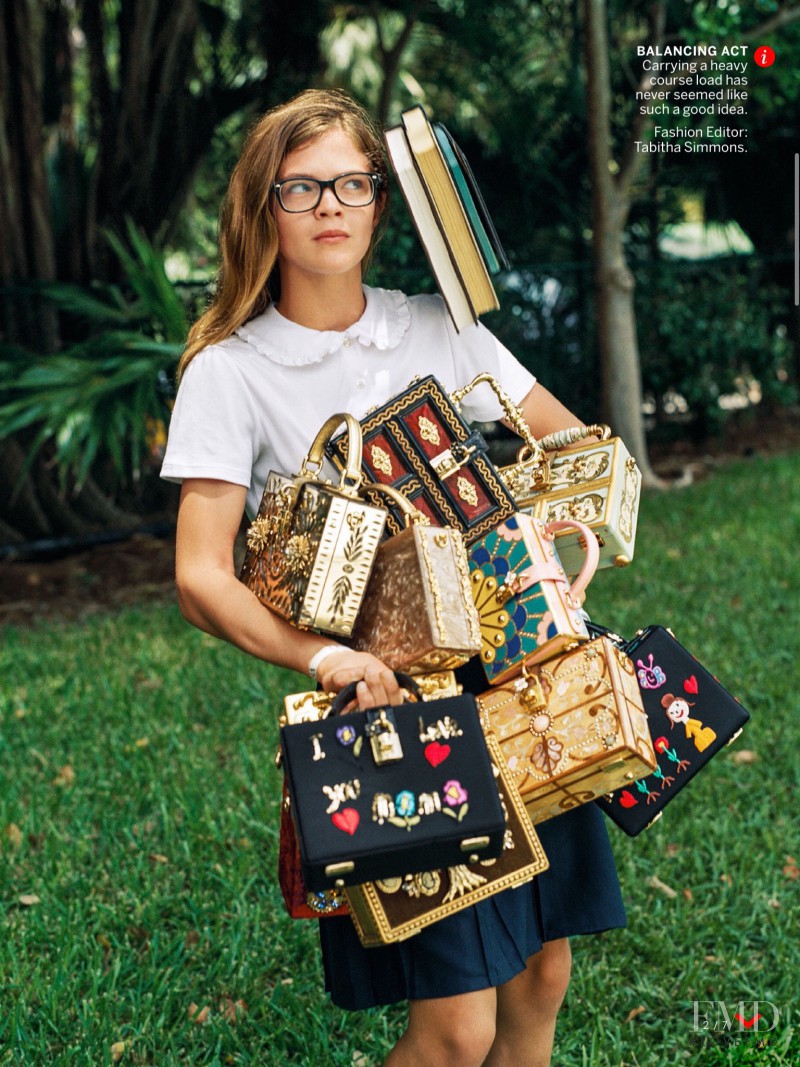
319 656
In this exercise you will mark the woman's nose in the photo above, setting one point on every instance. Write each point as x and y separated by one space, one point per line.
328 202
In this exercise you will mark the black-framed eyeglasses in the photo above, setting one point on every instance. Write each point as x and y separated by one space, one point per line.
355 189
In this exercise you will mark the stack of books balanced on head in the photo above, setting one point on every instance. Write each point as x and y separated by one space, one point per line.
449 214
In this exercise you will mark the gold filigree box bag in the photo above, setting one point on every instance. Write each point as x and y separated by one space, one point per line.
571 729
598 484
311 548
397 908
418 614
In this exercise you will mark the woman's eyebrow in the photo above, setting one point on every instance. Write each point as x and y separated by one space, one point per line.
304 174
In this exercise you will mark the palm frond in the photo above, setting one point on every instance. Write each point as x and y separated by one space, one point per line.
97 400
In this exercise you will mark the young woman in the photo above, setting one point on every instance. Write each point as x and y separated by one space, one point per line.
291 337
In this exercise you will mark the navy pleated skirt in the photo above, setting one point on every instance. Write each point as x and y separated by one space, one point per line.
489 943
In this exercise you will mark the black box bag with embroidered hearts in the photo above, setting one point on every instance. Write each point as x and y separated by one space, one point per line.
392 790
691 717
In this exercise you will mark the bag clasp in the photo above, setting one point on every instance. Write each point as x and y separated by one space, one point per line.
384 738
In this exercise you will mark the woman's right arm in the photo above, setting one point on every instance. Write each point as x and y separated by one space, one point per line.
212 598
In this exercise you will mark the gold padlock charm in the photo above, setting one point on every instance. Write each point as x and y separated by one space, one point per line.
531 695
384 738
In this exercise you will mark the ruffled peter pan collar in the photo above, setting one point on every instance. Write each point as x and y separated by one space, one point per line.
383 325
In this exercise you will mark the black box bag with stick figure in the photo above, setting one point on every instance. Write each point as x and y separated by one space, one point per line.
691 717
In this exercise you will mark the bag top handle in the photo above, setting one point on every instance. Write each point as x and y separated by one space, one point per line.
564 438
348 694
410 513
512 411
591 547
351 479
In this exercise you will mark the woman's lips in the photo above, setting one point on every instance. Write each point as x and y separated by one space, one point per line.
331 235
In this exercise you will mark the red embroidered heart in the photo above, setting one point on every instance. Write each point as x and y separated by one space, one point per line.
347 819
627 800
690 685
436 753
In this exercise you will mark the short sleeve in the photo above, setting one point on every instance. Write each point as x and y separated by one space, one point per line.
212 432
477 350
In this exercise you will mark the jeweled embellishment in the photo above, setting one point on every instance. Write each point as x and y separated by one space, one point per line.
346 735
546 755
462 880
347 820
466 490
454 793
325 901
299 555
429 431
381 460
540 724
405 803
455 796
259 534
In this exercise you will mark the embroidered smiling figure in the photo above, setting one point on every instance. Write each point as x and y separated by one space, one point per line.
677 709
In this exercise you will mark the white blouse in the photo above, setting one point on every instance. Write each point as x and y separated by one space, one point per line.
254 402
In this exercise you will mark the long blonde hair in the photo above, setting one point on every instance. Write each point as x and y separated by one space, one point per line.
248 278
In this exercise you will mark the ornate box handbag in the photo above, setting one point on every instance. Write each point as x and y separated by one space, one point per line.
571 729
391 790
396 908
311 548
598 484
527 608
299 901
691 718
418 614
420 443
311 706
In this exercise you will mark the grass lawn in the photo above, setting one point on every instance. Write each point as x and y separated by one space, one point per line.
139 815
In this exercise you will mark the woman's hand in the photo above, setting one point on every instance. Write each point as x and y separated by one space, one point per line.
376 684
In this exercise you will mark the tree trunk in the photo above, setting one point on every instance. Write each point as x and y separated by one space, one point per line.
391 58
24 201
614 283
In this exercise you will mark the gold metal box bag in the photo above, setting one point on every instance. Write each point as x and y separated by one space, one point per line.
571 729
598 484
418 613
311 548
394 909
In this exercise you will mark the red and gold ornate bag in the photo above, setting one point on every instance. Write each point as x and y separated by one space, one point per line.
299 901
420 443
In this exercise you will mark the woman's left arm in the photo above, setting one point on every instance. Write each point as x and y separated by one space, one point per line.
545 414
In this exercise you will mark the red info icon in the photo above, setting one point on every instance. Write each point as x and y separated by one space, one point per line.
764 55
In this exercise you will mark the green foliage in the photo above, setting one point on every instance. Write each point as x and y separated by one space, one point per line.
140 807
103 399
711 330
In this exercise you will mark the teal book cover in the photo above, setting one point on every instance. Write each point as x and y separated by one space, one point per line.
474 204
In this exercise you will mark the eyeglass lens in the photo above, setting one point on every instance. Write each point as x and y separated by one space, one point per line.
302 194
